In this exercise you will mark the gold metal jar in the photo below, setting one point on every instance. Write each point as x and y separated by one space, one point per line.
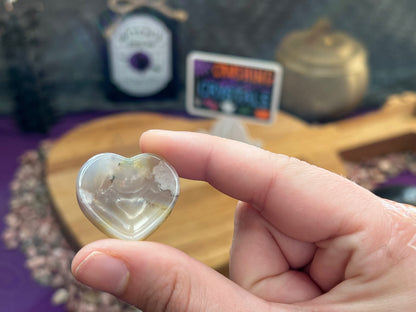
326 72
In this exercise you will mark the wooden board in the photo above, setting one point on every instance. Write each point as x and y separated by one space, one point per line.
201 223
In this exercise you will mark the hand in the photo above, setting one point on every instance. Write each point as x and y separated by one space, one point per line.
305 240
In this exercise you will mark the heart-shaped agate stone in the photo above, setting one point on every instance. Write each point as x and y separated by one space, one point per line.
127 198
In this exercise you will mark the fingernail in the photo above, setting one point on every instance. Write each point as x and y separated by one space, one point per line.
101 271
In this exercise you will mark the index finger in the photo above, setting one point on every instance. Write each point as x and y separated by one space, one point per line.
305 202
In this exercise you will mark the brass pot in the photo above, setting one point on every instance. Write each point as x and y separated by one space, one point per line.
326 72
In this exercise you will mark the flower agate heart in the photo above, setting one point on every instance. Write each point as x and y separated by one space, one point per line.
127 198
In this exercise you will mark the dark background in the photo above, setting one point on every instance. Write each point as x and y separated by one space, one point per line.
72 47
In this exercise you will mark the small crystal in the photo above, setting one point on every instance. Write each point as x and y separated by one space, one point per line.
60 297
127 198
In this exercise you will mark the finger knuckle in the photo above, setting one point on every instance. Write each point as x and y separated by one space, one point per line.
172 292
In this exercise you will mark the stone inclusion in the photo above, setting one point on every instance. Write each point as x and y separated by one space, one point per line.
127 198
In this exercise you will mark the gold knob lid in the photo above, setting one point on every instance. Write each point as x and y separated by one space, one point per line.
320 48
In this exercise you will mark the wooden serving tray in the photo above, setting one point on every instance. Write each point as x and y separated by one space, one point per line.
201 223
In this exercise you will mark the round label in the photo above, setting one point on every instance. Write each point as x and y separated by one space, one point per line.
140 51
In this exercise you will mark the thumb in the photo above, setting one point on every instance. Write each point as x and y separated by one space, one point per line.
155 277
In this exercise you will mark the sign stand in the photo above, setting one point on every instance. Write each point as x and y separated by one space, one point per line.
232 89
234 129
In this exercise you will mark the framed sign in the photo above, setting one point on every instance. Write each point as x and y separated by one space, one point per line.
228 86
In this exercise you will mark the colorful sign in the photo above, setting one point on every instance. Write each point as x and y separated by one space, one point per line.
219 85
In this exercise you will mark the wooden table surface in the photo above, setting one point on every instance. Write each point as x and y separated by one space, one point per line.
201 223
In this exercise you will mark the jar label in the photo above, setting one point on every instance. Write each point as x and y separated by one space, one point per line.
140 55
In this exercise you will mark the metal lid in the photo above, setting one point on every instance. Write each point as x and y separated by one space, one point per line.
320 49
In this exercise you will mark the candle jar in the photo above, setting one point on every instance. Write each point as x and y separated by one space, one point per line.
141 50
326 72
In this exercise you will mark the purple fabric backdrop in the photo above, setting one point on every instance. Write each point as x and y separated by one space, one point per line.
18 291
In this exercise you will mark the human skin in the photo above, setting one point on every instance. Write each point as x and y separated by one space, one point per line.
305 239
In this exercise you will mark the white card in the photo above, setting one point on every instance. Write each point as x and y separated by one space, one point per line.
229 86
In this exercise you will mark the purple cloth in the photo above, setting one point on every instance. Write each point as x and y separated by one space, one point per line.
18 291
405 178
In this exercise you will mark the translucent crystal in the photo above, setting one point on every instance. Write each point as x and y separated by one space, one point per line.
127 198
